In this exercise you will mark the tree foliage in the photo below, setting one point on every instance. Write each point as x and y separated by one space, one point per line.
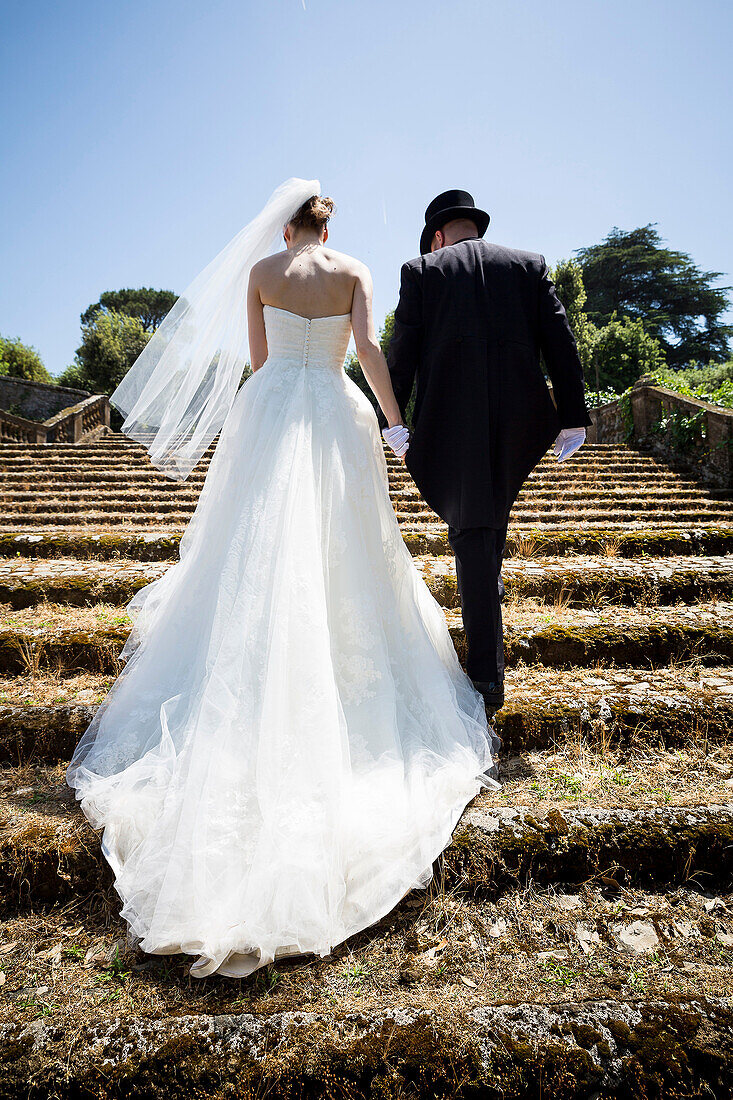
631 274
568 279
22 361
111 342
623 350
714 385
148 305
614 354
709 377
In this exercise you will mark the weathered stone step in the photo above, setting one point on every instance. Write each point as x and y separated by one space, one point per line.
577 582
116 455
95 485
620 539
113 497
137 500
592 988
601 466
559 516
96 489
581 637
117 441
27 582
494 848
81 473
615 1049
161 518
85 543
554 497
590 473
144 543
580 503
49 853
643 501
583 581
178 509
43 717
92 638
79 480
598 515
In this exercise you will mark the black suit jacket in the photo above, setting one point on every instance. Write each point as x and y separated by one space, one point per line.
470 324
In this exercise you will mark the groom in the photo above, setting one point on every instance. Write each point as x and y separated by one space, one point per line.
470 324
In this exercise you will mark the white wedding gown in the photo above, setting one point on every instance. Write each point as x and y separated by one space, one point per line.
292 739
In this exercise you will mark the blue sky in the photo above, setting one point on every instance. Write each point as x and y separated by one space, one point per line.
138 138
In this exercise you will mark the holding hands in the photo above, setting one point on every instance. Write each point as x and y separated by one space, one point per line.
398 438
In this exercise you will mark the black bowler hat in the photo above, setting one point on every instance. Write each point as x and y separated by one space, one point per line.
450 205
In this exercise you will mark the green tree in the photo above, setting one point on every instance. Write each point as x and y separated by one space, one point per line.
148 305
623 350
568 279
633 275
386 332
111 342
22 361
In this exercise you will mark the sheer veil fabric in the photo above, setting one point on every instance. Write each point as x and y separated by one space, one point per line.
292 739
178 392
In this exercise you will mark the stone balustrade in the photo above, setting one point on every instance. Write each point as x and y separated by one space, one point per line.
709 451
81 422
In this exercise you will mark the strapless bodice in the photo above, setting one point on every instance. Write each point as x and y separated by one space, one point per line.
312 342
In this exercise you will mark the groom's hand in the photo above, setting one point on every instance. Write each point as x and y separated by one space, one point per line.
568 442
398 438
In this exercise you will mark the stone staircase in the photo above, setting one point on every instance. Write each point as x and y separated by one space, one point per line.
577 938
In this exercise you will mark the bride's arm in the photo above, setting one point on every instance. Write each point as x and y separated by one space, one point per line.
256 322
368 351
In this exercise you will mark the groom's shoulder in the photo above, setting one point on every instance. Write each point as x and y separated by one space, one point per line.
486 252
503 255
415 266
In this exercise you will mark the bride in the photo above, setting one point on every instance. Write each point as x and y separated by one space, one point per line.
291 740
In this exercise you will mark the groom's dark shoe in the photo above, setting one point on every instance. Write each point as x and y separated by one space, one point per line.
493 693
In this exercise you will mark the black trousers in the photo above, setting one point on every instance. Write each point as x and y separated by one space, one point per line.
479 552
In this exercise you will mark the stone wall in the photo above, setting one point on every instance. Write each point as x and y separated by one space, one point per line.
608 424
36 400
710 456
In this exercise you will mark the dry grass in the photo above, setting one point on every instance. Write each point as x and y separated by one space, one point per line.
528 613
577 772
436 948
612 545
520 612
684 679
524 545
55 616
54 687
434 951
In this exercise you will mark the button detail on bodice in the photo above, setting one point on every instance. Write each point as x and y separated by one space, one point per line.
306 344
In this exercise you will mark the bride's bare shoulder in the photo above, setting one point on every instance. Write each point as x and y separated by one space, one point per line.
269 263
345 262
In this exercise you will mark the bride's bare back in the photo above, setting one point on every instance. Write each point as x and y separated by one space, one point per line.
312 280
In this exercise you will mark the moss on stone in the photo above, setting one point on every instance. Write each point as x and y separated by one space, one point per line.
657 540
139 547
661 1048
644 848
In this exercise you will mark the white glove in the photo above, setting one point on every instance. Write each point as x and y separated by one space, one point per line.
568 442
398 438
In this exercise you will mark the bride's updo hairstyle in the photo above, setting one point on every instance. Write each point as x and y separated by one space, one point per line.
313 214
